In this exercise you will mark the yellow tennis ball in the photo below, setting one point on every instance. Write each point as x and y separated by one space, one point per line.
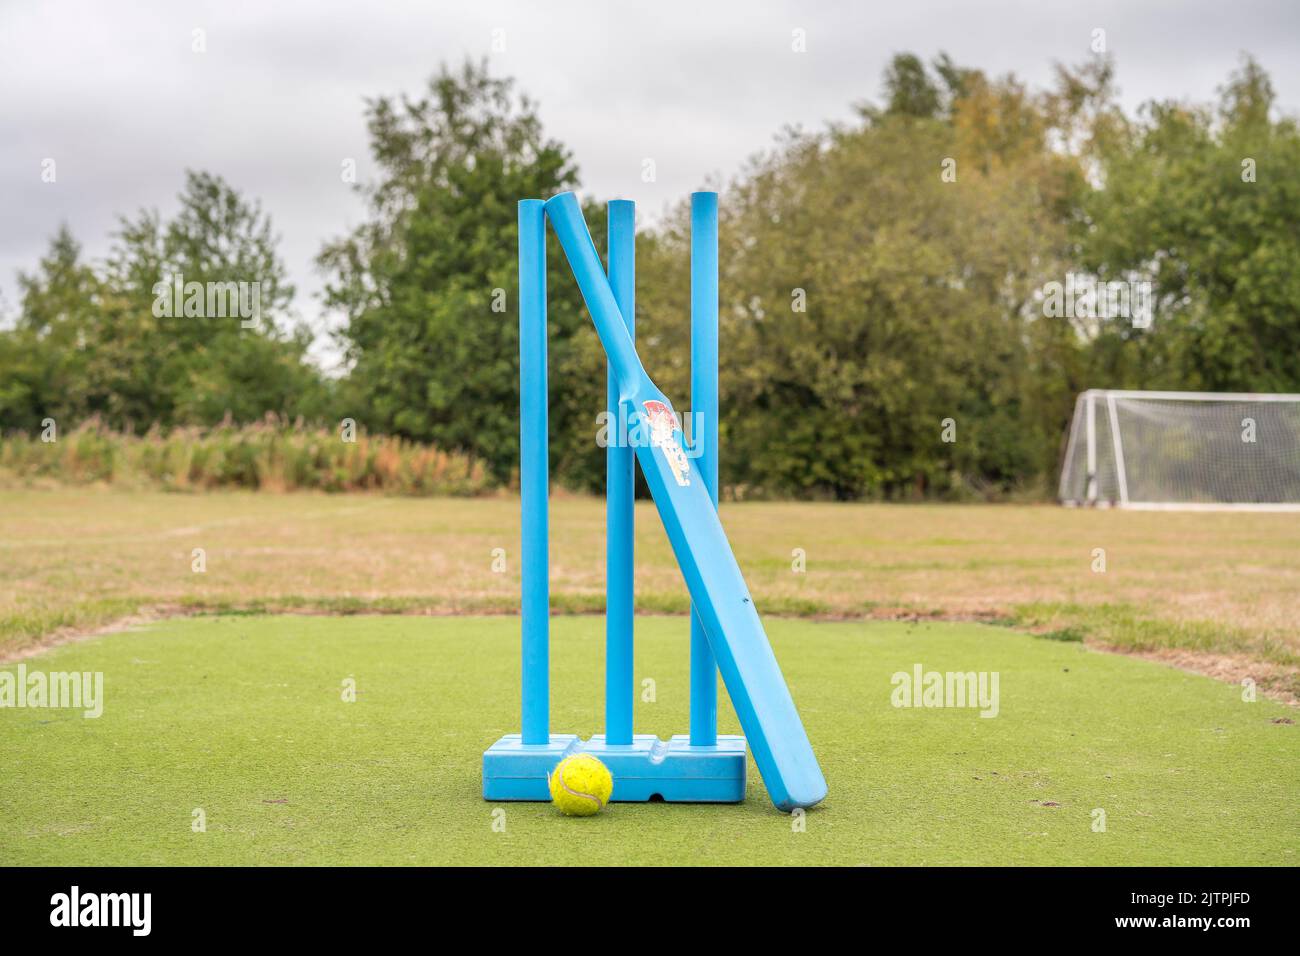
581 785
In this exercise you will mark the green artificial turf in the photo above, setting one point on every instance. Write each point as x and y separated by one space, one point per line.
243 718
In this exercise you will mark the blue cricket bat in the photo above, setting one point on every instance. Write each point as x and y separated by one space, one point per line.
749 669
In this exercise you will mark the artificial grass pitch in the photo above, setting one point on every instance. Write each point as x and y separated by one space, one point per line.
244 719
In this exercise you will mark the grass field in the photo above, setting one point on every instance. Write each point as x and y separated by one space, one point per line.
243 718
1215 592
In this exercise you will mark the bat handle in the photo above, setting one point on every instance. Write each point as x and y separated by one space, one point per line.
571 228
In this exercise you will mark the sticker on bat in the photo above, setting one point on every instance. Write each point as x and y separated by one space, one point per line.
662 425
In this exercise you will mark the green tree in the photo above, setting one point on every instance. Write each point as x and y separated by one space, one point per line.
44 359
1202 202
910 89
865 299
90 343
428 285
176 368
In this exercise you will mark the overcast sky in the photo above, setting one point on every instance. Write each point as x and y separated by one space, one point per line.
116 95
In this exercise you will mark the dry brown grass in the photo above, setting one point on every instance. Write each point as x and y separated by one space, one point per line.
1197 584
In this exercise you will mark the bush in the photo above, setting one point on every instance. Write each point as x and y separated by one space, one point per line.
271 455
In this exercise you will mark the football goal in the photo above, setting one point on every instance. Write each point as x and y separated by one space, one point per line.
1183 450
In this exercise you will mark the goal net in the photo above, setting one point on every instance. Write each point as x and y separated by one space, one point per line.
1183 450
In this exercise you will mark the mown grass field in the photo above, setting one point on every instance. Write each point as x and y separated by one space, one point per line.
1092 758
239 713
1215 592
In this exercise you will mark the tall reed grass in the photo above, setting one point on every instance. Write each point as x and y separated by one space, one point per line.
271 455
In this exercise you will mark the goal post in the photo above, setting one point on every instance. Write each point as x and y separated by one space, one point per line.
1183 451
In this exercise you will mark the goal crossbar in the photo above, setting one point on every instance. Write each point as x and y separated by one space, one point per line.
1198 396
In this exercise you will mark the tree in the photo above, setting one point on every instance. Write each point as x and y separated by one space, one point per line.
428 284
1201 202
909 89
865 300
44 359
201 369
112 343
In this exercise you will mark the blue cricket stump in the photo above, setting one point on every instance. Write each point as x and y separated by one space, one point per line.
700 767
